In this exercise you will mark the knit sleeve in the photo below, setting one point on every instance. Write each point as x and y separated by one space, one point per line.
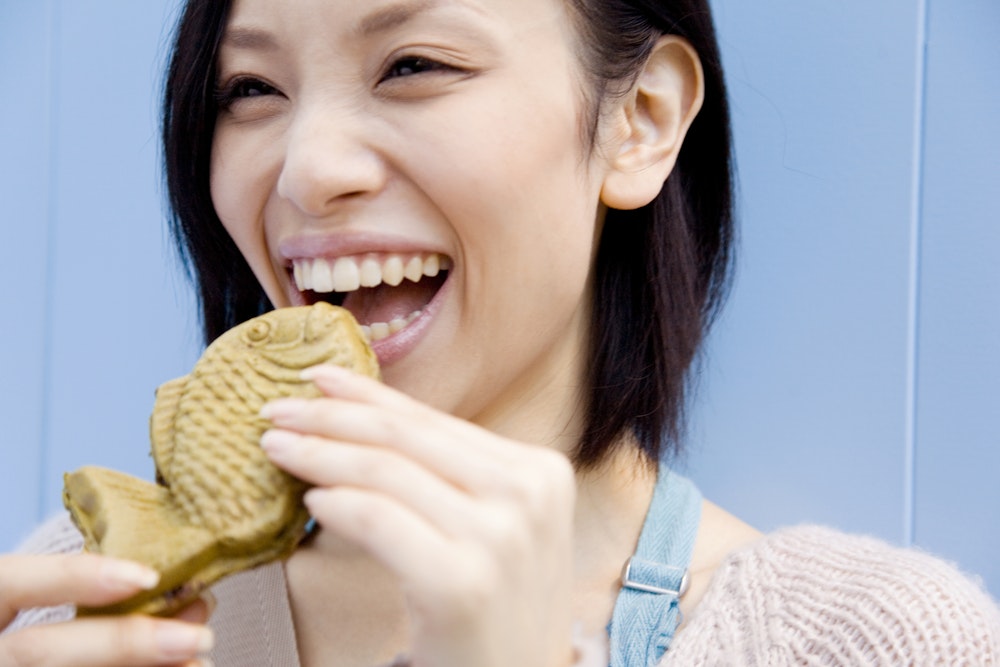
58 535
814 596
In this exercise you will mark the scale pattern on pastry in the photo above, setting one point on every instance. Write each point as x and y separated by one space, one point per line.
219 506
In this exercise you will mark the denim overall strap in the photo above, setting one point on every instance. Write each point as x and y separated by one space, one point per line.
646 612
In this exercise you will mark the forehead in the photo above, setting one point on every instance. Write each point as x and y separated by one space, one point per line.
350 19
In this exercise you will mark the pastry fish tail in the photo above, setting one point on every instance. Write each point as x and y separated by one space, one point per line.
127 517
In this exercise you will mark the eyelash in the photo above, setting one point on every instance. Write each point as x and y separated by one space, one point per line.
403 67
406 66
240 88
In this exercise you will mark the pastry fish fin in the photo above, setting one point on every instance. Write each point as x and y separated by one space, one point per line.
161 424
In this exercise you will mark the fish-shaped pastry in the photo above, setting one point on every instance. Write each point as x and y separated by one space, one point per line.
219 506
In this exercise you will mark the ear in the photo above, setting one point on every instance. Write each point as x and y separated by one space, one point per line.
650 124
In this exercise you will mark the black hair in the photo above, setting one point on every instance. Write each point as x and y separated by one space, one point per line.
661 270
228 292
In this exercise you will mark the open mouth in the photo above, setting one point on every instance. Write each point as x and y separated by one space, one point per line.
384 292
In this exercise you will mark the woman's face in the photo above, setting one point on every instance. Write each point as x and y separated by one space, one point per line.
422 159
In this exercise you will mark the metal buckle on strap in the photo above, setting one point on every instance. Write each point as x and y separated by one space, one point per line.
629 582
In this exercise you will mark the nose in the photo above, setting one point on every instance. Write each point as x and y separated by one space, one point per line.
328 160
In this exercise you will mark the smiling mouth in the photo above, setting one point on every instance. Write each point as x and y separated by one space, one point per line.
384 292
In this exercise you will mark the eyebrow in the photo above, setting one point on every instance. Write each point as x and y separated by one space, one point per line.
245 37
381 20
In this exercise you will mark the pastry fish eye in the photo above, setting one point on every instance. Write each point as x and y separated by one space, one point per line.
259 332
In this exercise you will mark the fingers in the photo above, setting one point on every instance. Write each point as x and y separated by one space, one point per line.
478 528
92 580
408 415
447 578
337 381
365 412
128 641
372 436
380 525
323 463
83 579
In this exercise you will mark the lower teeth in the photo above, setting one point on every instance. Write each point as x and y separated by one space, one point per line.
379 330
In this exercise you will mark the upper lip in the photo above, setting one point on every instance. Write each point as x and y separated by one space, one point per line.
344 245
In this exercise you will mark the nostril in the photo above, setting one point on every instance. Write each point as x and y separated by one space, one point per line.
303 190
324 168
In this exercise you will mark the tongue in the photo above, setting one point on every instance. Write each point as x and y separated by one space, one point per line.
385 303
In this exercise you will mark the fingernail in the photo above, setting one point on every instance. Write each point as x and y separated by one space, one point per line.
281 407
331 371
211 602
315 496
126 574
277 441
312 372
200 662
177 641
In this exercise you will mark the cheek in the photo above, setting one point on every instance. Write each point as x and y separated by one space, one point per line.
526 225
239 196
228 198
476 161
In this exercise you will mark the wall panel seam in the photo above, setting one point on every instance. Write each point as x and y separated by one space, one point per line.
51 149
913 298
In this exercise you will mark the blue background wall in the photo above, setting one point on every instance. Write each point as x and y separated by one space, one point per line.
854 379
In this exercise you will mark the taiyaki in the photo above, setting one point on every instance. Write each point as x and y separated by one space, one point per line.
219 506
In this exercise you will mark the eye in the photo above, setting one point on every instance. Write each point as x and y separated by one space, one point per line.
258 331
412 65
242 88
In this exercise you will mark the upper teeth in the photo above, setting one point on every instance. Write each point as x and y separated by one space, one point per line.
346 274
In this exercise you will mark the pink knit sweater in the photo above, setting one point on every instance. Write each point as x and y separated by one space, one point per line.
800 596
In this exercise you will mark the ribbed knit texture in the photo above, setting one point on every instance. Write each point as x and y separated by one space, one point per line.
799 596
58 535
814 596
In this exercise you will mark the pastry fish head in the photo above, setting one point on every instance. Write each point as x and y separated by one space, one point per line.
298 337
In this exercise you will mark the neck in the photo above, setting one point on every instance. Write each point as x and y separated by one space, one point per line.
612 501
546 404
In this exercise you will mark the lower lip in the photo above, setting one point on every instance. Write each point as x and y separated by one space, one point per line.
398 345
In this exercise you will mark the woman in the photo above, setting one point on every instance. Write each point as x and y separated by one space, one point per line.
528 203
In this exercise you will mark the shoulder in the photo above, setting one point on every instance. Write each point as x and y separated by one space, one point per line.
812 594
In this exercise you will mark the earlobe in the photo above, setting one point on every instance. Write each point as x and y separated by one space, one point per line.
654 119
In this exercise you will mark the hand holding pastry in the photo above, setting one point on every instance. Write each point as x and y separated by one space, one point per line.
28 581
477 528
